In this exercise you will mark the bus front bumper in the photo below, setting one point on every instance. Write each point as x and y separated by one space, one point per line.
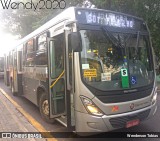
87 124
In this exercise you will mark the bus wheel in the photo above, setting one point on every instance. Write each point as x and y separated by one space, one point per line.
44 108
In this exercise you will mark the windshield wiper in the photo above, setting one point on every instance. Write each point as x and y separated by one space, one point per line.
137 43
136 47
109 35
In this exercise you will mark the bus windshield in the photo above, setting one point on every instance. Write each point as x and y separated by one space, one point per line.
104 59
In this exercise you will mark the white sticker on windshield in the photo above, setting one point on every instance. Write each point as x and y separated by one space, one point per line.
105 76
85 66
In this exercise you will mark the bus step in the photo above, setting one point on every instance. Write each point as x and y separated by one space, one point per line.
63 117
62 120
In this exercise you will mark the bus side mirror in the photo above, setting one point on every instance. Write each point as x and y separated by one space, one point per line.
74 42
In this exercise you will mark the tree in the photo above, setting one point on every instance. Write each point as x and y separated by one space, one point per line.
23 21
149 10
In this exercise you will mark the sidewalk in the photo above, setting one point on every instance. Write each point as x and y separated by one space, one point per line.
11 120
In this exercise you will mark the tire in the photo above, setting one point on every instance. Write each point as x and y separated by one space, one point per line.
44 109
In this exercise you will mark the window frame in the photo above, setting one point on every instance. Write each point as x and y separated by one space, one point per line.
26 53
44 51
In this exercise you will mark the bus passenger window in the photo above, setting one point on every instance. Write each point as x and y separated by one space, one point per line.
59 54
41 53
30 59
19 61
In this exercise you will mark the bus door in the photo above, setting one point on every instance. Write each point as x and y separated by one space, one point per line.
69 82
14 79
19 73
57 87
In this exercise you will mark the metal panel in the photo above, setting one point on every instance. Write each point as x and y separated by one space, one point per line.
30 86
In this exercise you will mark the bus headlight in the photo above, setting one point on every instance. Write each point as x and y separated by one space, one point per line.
91 107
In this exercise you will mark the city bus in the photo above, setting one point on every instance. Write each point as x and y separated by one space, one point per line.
92 70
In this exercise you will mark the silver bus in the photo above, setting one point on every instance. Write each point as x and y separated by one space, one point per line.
90 69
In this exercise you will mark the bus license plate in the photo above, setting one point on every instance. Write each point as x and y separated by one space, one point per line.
132 123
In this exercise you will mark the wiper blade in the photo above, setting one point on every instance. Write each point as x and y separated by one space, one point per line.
136 46
109 35
137 43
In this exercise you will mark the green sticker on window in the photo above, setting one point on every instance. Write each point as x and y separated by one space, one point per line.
124 78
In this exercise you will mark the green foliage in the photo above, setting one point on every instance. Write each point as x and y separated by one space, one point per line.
19 21
23 22
149 10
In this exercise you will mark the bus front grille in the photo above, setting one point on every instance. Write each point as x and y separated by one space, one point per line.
120 122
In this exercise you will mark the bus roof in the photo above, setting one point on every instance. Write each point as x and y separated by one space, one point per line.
85 16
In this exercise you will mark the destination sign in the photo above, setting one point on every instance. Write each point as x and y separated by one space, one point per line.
107 18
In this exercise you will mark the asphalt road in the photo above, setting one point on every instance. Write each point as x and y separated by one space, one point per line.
151 125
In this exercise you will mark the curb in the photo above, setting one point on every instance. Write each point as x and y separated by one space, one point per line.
33 122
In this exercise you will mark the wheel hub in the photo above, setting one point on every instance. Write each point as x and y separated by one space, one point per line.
45 107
